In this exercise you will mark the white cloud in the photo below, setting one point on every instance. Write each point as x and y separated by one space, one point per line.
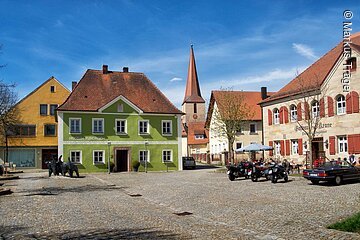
176 79
59 23
304 50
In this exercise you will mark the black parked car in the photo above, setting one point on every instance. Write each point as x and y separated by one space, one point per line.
333 171
189 162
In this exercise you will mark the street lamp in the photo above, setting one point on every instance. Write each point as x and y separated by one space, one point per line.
147 155
109 144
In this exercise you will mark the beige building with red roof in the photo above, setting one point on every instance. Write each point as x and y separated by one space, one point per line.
195 136
251 129
332 84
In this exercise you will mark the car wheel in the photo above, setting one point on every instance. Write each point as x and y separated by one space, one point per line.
315 182
231 177
338 180
254 178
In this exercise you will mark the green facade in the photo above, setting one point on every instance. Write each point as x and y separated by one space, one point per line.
133 142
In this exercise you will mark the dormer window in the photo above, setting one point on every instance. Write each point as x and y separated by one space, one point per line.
199 136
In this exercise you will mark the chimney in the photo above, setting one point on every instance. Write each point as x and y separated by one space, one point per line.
125 69
263 93
73 85
105 69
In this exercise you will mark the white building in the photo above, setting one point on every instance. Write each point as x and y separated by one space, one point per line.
335 82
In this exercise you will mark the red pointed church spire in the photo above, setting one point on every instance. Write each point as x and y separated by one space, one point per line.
192 92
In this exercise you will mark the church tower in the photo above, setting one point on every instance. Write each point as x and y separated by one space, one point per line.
193 105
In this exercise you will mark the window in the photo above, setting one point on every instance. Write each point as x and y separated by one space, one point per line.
98 125
195 108
277 147
43 109
52 109
52 89
75 125
238 145
167 155
252 128
199 136
342 144
351 64
166 127
293 113
120 107
315 109
340 105
98 156
238 129
276 116
143 127
49 130
120 126
294 147
144 155
23 131
75 156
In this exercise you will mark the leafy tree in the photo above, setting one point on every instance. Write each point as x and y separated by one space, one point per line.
229 114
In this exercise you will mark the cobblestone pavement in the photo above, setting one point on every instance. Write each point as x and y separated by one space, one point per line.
143 206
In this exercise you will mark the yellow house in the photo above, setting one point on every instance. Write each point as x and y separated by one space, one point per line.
35 140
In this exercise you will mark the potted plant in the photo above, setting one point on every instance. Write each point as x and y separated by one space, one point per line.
135 165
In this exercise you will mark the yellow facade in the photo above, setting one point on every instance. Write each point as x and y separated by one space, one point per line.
50 93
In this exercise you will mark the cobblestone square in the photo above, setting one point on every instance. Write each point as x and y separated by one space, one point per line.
196 204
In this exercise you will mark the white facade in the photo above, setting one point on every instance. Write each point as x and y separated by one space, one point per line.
336 136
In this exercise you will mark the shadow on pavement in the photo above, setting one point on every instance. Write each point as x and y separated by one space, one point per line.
46 191
7 232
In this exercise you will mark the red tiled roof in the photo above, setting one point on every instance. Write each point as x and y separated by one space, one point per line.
96 89
195 128
313 77
251 99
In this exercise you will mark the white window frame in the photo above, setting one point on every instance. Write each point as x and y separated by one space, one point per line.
342 144
294 147
147 155
102 126
340 110
148 127
277 148
293 113
276 116
171 155
120 120
103 157
162 127
315 109
79 151
254 124
75 119
120 107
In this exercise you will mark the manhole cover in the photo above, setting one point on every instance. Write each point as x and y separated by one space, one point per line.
183 213
135 195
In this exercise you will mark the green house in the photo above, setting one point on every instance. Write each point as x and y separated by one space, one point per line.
113 119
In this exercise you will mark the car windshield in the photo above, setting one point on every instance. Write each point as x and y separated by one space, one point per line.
336 164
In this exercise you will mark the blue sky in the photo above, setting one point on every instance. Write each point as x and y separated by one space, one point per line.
238 44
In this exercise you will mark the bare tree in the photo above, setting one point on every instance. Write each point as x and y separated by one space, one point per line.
229 116
310 100
9 114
